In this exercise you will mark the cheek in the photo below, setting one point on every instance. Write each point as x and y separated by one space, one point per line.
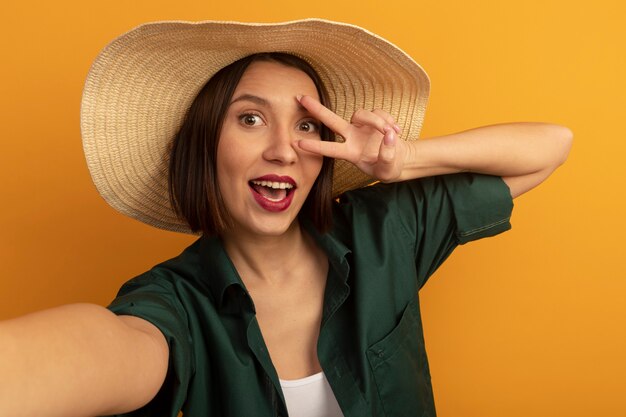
226 169
227 159
314 165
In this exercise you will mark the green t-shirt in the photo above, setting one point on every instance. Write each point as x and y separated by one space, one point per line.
386 241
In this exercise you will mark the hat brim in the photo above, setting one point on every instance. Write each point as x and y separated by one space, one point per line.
141 85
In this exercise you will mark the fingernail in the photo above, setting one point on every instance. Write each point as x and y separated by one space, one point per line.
397 128
298 97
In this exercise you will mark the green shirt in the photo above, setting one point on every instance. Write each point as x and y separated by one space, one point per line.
386 241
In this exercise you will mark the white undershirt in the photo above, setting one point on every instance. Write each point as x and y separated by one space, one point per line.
310 397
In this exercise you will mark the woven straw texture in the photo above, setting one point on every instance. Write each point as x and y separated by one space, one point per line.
141 85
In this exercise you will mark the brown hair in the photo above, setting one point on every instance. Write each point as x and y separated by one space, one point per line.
193 187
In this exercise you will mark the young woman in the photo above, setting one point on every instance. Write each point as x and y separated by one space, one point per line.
301 295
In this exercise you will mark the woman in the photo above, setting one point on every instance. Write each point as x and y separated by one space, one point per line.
290 302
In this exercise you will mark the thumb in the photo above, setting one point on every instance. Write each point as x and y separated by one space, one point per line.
387 150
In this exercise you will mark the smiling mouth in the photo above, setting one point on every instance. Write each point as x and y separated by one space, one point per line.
274 191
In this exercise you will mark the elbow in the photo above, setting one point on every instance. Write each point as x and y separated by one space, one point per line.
563 139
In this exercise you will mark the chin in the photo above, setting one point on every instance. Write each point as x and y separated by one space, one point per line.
274 230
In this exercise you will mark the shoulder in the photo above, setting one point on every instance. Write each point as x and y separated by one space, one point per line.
475 205
386 201
184 268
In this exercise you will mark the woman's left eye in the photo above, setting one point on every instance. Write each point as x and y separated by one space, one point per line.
309 126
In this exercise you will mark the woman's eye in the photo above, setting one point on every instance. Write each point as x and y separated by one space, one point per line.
250 119
309 126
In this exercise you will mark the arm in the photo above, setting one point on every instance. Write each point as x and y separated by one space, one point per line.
524 154
79 360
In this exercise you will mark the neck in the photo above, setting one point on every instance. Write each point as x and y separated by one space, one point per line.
268 259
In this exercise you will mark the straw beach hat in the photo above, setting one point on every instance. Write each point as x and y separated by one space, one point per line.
141 85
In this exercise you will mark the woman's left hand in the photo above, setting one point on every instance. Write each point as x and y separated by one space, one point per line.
371 140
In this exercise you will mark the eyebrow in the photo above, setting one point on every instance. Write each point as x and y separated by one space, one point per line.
255 99
262 102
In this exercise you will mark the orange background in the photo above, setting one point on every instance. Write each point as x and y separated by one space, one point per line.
530 323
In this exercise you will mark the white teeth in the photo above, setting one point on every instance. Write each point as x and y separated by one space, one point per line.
275 185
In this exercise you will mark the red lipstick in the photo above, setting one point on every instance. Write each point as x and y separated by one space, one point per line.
263 188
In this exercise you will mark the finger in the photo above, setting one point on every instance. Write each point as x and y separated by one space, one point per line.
388 118
325 115
367 118
385 116
331 149
387 150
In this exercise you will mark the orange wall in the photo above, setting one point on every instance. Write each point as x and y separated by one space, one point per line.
528 323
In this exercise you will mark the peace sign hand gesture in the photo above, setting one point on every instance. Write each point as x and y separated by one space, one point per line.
371 140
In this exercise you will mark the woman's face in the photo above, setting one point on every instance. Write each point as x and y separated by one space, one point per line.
263 176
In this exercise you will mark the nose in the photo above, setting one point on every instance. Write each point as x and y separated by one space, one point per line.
281 147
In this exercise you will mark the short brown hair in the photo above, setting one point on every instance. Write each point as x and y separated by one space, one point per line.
194 191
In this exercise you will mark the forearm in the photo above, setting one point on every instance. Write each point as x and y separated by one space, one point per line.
523 154
507 150
75 360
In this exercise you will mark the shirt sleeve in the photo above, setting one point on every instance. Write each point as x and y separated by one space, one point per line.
442 212
154 299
